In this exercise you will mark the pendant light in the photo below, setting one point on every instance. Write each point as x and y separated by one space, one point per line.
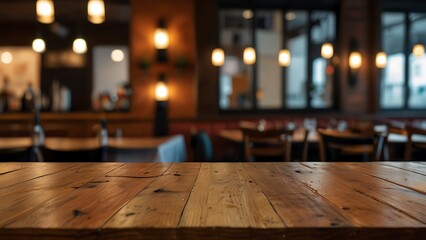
355 60
39 45
96 11
79 46
284 58
249 56
327 50
381 60
419 50
218 57
45 11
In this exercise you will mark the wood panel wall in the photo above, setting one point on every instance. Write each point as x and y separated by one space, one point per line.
180 19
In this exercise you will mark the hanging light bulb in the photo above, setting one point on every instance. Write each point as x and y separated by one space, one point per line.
6 57
96 11
45 11
355 60
381 60
79 46
249 56
284 58
327 50
419 50
218 57
39 45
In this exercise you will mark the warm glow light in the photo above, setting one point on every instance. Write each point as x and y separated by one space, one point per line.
249 55
419 50
218 57
39 45
161 38
117 55
6 58
79 46
381 60
327 50
284 58
355 60
161 91
248 14
45 11
96 11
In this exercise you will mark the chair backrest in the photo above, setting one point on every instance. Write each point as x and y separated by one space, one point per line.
392 127
351 142
268 143
410 144
203 147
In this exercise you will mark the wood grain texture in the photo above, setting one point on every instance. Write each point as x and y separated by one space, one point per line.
223 197
296 204
361 209
309 201
411 203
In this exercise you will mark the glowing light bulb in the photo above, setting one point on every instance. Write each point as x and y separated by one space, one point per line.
117 55
381 60
45 11
327 50
96 11
218 57
284 58
249 56
79 46
355 60
39 45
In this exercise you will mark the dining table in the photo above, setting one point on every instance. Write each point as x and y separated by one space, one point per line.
282 200
126 149
236 136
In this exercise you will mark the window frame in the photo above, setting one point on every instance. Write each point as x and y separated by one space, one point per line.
402 7
310 58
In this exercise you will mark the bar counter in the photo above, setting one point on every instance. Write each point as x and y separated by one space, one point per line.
381 200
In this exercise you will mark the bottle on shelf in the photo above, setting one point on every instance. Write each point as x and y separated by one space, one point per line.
103 133
4 96
29 99
38 132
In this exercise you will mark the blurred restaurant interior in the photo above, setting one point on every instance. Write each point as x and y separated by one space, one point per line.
195 69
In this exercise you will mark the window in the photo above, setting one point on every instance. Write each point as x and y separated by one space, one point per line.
307 83
403 80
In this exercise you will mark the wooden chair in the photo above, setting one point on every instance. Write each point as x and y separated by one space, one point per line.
392 128
267 144
349 144
411 145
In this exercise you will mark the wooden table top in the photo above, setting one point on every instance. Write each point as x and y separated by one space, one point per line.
382 200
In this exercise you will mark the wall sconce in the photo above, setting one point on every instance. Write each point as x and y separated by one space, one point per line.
161 89
79 46
161 97
418 50
96 11
327 50
45 11
355 62
218 57
161 41
39 45
381 60
249 56
284 58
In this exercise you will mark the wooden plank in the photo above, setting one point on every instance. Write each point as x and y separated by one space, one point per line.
296 204
146 170
222 197
91 205
362 210
408 166
22 198
160 205
410 202
407 179
34 170
11 167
